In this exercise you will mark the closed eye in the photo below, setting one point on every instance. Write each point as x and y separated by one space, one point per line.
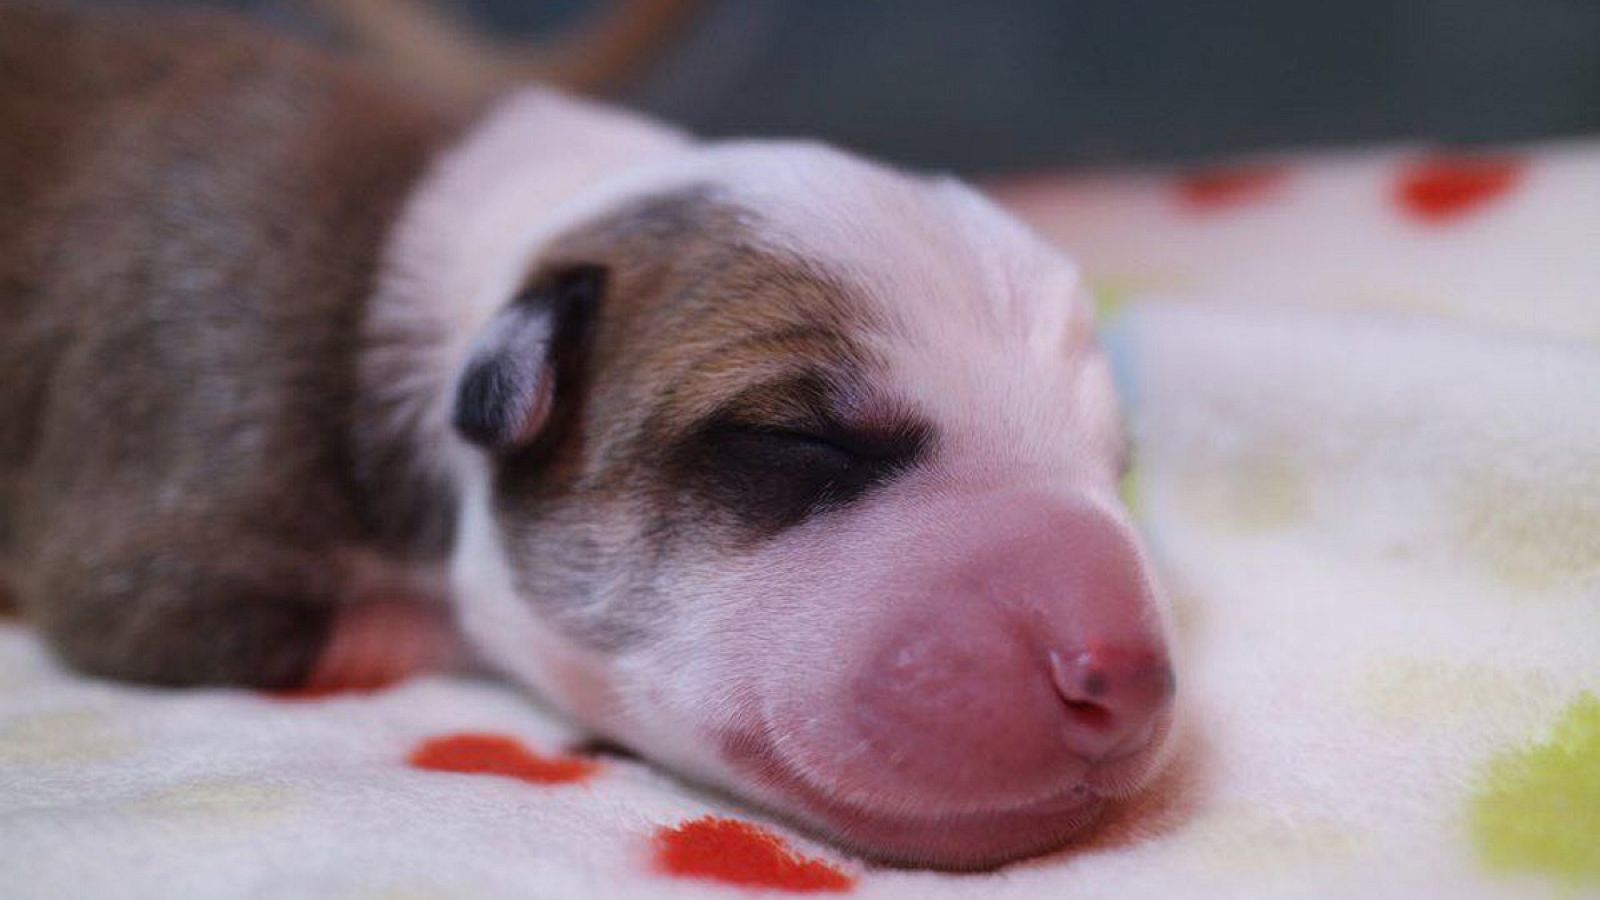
774 476
842 444
802 465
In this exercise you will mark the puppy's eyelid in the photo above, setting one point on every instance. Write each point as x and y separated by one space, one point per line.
874 445
801 435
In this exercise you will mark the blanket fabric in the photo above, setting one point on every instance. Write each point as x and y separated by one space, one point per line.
1365 391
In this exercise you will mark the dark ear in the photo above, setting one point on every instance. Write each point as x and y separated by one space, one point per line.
525 357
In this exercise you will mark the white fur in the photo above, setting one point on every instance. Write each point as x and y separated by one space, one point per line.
462 244
963 290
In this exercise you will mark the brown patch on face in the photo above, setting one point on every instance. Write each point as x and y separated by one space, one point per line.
728 391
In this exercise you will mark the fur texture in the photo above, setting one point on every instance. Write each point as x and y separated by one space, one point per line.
793 471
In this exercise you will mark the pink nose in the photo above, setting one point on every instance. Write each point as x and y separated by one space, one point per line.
1023 661
1113 697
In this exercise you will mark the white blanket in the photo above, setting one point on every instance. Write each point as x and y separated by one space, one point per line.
1380 531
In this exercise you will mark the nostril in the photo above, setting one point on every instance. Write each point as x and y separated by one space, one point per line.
1088 714
1110 697
1078 679
1081 685
1095 682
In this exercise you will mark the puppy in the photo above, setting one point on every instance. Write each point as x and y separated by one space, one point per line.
790 471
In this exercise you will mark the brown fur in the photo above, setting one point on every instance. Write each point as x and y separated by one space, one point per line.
192 219
191 485
700 327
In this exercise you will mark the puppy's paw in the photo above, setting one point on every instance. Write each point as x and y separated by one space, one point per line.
375 644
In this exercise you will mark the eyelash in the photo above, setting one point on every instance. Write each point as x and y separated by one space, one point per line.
777 475
844 447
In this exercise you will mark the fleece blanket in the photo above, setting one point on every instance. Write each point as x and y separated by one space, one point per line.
1365 392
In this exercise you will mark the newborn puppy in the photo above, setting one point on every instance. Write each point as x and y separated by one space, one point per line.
787 470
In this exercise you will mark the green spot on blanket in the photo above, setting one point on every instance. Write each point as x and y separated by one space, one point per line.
1109 299
1129 489
1538 808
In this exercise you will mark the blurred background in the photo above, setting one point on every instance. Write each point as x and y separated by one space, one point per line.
1009 85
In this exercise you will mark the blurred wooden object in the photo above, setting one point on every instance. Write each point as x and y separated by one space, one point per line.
422 43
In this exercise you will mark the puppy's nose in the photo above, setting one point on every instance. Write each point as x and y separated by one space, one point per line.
1031 656
1113 697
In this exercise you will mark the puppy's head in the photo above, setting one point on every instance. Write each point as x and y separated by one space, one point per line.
800 475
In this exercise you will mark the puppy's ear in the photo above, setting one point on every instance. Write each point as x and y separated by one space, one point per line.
526 358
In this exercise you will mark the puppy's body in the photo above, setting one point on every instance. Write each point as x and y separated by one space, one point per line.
788 470
193 219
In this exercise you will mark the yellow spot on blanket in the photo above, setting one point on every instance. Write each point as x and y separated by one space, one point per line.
1450 693
1112 294
1248 493
1538 808
1256 842
72 736
221 801
1129 489
1532 533
1109 299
